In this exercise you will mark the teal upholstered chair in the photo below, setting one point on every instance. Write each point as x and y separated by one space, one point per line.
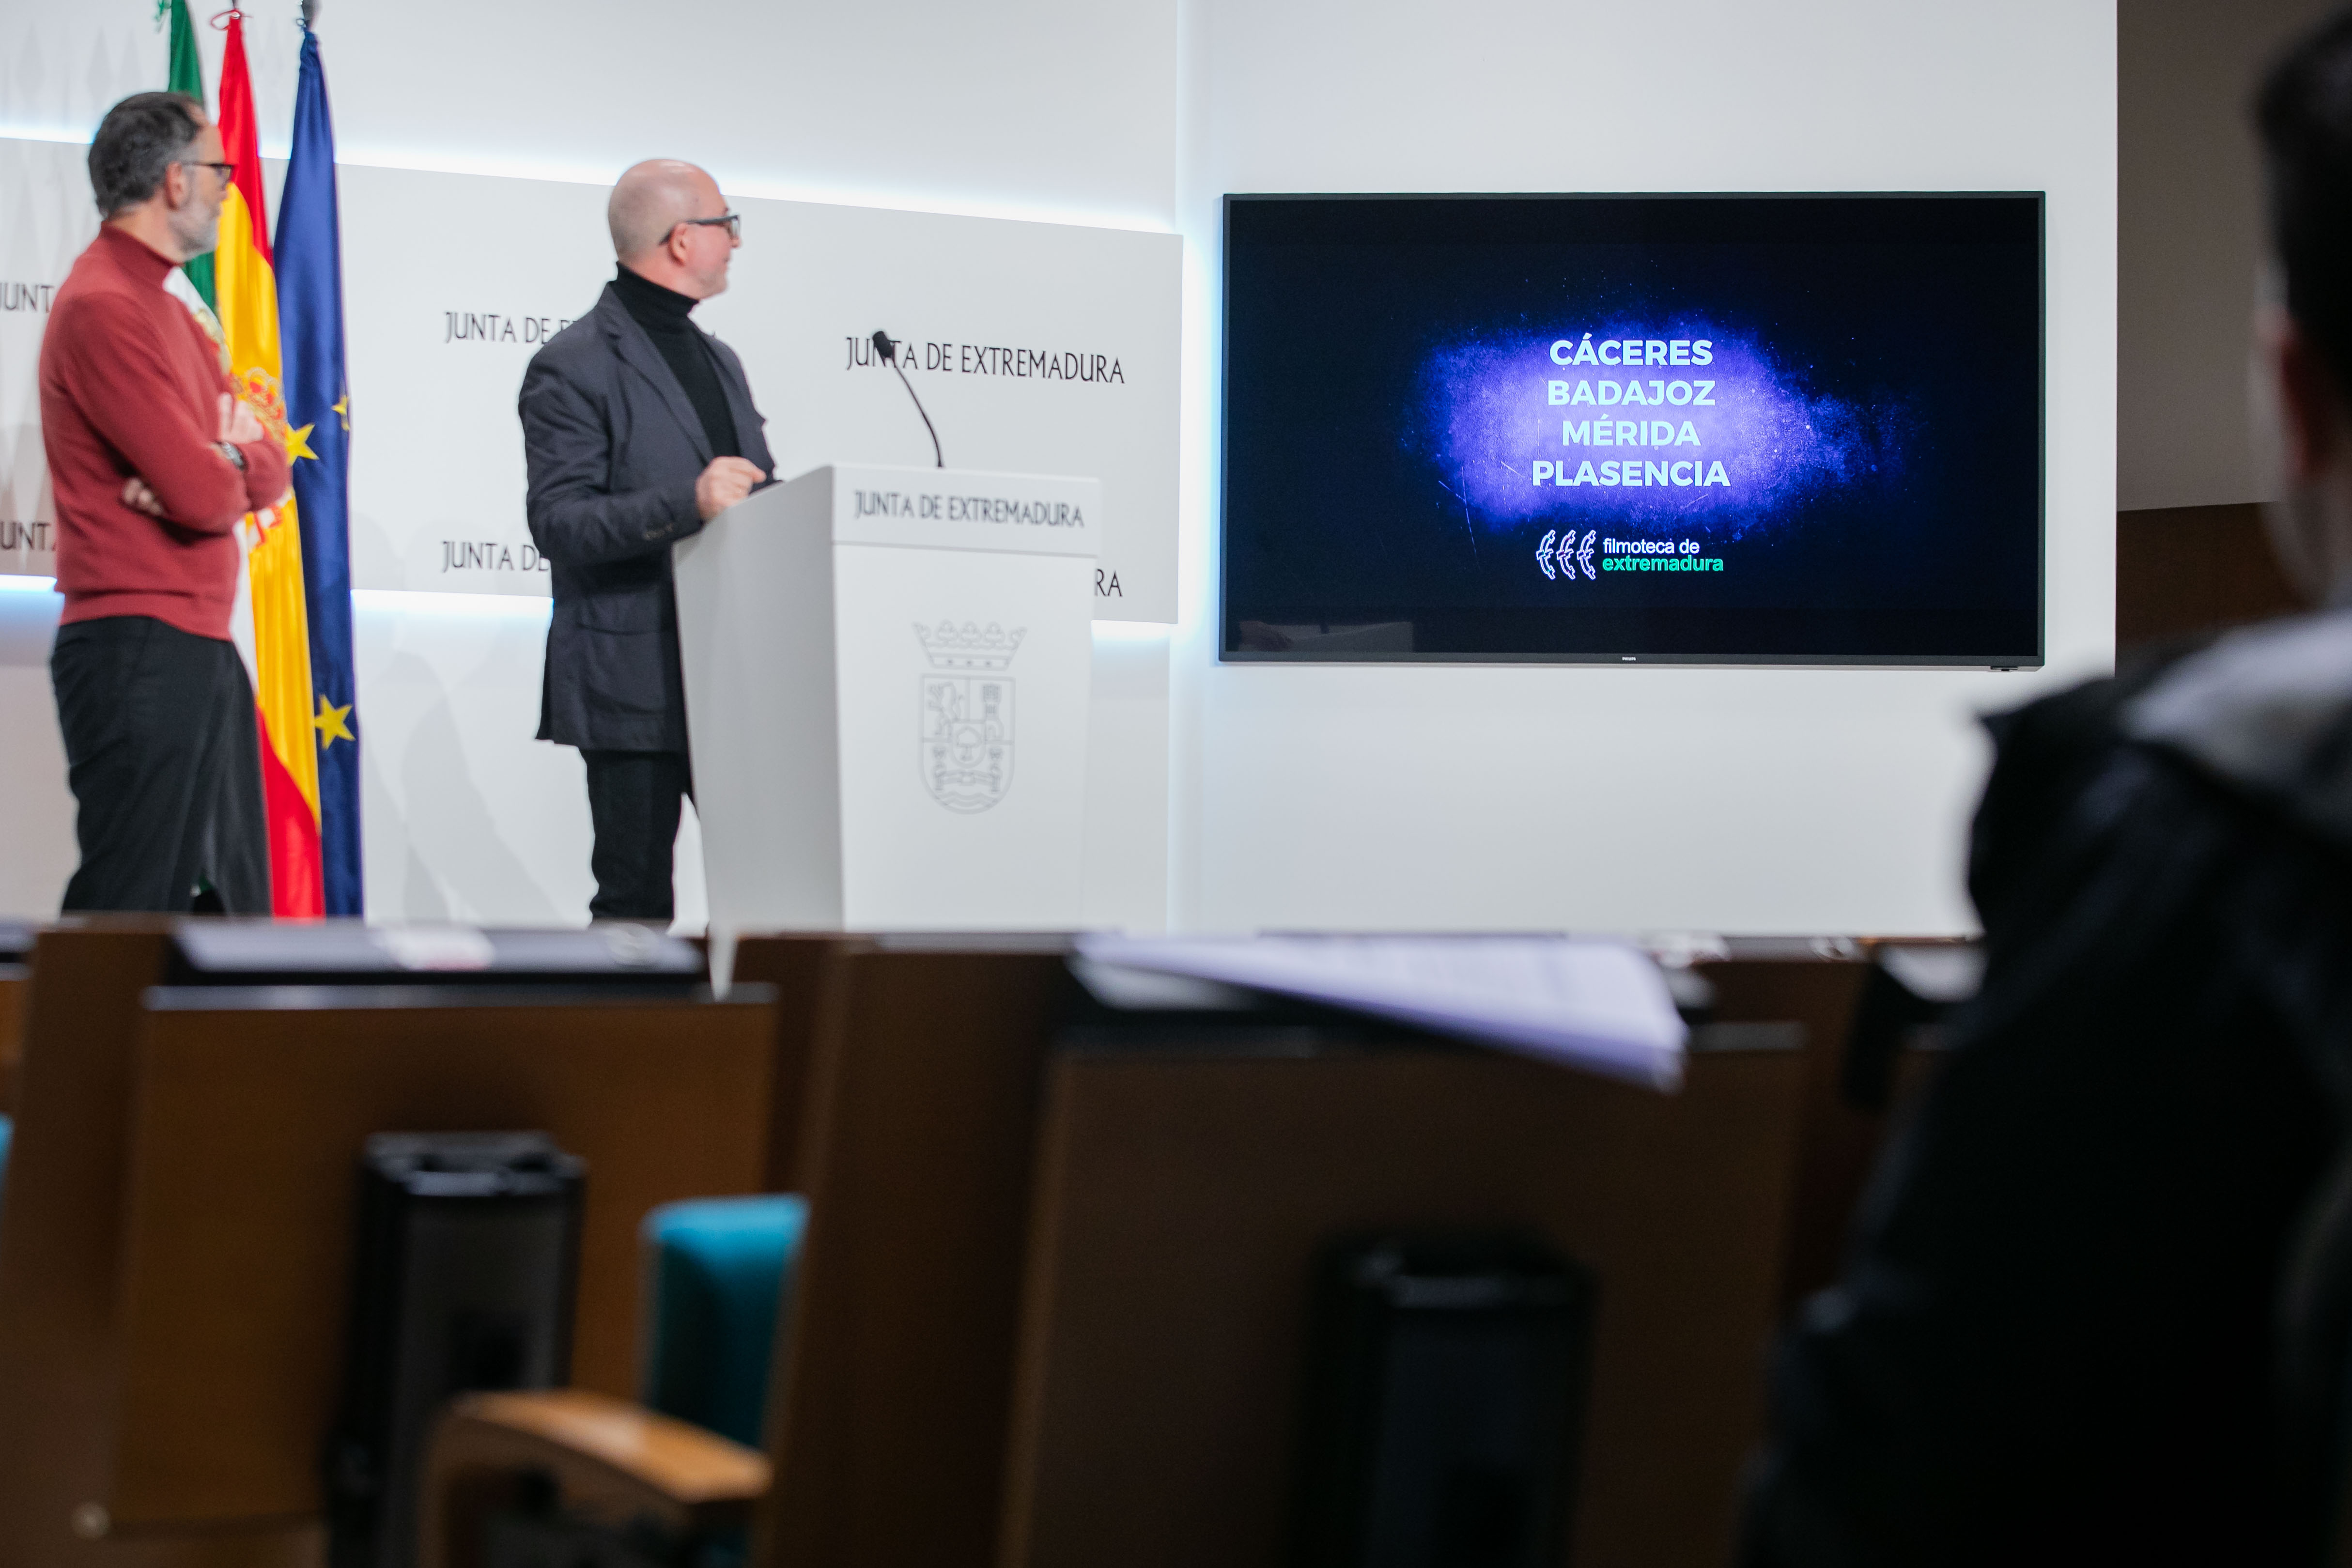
717 1271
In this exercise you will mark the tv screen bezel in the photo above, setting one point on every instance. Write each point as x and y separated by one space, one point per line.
1228 654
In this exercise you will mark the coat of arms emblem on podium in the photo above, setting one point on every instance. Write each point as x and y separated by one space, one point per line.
967 713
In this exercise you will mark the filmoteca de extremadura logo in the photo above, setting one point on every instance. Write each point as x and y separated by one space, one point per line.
966 713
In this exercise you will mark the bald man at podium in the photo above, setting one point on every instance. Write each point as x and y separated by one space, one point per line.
638 428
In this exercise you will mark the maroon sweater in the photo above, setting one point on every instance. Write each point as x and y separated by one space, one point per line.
129 385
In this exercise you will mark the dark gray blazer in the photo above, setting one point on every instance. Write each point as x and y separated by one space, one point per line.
613 448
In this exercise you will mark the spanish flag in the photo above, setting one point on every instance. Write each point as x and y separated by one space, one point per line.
246 291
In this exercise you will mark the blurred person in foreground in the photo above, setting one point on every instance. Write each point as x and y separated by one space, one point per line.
155 462
638 428
2096 1310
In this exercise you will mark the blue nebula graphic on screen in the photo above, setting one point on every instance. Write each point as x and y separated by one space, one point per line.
1687 424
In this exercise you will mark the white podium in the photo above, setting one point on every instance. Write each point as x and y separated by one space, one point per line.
887 679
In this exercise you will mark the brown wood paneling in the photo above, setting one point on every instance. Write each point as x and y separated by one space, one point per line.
804 972
1182 1200
889 1421
1839 1143
15 983
247 1128
2190 569
60 1239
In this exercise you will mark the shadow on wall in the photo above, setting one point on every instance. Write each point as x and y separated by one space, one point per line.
374 557
474 873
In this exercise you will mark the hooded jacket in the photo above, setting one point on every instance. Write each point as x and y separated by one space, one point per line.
2095 1306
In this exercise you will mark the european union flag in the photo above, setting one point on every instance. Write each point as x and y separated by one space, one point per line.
310 327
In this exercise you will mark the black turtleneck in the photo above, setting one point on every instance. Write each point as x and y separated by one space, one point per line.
661 312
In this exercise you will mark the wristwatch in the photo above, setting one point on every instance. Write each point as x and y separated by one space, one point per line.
234 454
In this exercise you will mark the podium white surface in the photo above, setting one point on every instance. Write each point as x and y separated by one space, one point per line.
887 679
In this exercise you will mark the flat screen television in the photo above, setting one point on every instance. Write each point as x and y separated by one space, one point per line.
1683 429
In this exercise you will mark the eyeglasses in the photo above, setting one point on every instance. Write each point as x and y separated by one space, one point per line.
733 223
227 171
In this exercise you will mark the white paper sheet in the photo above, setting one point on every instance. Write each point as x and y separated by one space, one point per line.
1602 1005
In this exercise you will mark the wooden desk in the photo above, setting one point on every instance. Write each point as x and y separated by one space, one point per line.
1056 1294
1051 1300
246 1125
60 1243
175 1254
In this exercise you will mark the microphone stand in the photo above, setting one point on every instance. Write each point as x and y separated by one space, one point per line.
889 352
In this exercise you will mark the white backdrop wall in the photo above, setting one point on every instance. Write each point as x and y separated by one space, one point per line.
1599 798
1054 111
1770 799
1037 348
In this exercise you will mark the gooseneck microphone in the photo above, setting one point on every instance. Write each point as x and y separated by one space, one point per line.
889 352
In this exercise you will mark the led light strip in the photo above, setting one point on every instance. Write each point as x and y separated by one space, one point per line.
1133 631
408 602
446 163
534 606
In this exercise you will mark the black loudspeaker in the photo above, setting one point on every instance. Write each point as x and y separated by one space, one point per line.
468 1249
1447 1381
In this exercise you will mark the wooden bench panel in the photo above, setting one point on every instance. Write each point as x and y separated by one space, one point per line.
1182 1200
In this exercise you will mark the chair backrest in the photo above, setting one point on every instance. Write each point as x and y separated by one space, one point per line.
1838 1142
805 972
1184 1195
177 1250
889 1424
718 1274
1823 984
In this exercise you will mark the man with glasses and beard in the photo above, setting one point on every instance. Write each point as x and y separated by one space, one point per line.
154 460
638 428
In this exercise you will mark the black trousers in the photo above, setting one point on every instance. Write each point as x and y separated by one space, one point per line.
632 798
163 756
